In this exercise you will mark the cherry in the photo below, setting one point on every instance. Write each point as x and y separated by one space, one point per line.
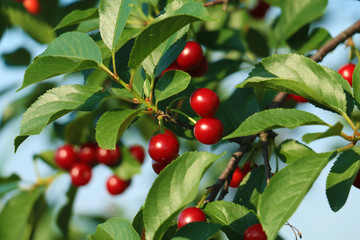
204 102
237 177
190 57
163 148
65 156
87 153
169 132
255 232
32 6
80 174
201 69
259 10
158 166
189 215
298 99
137 152
248 167
356 182
208 130
172 67
108 157
347 71
116 185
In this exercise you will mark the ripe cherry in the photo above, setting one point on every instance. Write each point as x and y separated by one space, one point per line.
65 156
201 69
171 67
108 157
32 6
189 215
116 185
158 166
208 130
347 71
204 102
248 167
259 10
255 232
163 148
298 99
190 57
137 152
87 153
356 182
237 177
80 174
169 132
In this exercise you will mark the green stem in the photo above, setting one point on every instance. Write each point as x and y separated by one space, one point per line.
114 62
350 145
356 52
184 114
131 78
161 124
203 198
152 85
349 121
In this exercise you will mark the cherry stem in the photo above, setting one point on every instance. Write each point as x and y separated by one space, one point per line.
114 62
203 199
184 114
265 154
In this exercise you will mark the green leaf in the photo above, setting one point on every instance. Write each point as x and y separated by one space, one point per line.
251 187
56 103
317 38
175 187
19 57
286 190
115 229
302 76
332 131
224 39
16 213
356 84
275 118
171 83
291 150
198 230
66 211
113 16
294 15
138 222
257 42
129 165
77 16
234 218
163 27
79 130
112 125
47 157
341 177
8 184
70 52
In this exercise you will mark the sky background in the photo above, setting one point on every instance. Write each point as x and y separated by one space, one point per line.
314 218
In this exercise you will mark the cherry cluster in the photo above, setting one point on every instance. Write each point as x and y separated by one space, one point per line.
190 60
80 161
32 6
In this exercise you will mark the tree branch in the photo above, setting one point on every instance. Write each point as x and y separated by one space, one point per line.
265 153
213 3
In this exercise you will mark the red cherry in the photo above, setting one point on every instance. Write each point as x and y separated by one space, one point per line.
259 10
137 152
356 182
204 102
297 98
32 6
87 153
347 71
208 130
172 67
158 166
189 215
201 69
237 177
108 157
255 232
163 148
248 167
169 132
65 156
80 174
190 57
116 185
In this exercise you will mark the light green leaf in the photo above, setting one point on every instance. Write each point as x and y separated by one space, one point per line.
113 16
174 188
47 157
77 16
234 218
275 118
56 103
332 131
115 229
163 27
296 14
15 214
341 177
129 165
171 83
286 190
291 150
112 125
70 52
198 230
356 84
300 75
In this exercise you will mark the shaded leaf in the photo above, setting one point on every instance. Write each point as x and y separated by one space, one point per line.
20 57
138 222
317 38
356 84
66 211
47 157
257 42
114 229
9 183
198 230
171 83
77 16
129 165
332 131
291 150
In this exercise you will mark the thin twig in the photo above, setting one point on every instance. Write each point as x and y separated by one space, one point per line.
168 118
265 153
213 3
